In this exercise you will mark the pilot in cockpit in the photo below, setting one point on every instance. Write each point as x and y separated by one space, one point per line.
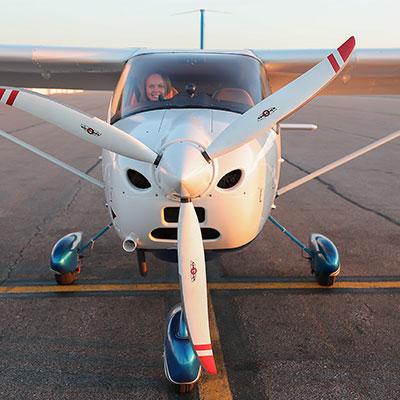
158 87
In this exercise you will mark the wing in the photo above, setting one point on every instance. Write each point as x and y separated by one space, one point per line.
369 71
62 67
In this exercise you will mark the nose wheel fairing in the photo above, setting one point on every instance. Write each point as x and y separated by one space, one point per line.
181 364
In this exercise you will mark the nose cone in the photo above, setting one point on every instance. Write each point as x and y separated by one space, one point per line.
183 171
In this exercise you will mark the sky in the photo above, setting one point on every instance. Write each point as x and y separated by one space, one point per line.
258 24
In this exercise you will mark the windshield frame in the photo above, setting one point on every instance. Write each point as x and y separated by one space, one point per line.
256 81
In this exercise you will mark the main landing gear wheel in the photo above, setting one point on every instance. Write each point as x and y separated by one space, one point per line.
325 260
325 280
66 279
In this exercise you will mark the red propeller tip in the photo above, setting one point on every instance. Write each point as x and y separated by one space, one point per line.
346 48
208 363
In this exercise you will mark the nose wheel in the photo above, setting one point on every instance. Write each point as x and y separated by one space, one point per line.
184 387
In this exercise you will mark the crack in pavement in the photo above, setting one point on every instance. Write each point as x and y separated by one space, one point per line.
93 166
39 228
333 189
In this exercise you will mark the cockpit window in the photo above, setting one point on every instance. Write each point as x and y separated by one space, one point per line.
229 82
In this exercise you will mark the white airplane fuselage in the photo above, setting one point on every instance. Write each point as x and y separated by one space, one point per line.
235 215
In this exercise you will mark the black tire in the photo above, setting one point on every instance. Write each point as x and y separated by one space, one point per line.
184 387
66 279
326 280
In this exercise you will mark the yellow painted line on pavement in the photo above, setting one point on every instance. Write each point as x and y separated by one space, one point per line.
158 287
304 285
77 288
215 386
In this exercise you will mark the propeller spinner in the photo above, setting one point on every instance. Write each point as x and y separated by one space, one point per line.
183 172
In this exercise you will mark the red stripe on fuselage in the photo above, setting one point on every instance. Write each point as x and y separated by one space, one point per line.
333 62
2 91
11 98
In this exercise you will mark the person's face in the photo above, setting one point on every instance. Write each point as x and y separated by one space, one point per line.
155 86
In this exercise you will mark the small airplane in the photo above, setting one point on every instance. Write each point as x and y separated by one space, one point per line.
191 154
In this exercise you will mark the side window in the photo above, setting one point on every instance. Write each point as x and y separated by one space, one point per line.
119 91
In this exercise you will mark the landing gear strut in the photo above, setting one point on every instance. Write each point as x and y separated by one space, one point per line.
142 264
322 253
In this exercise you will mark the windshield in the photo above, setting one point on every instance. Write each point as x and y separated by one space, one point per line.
229 82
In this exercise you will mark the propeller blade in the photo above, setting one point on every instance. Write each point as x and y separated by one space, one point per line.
263 116
91 129
192 272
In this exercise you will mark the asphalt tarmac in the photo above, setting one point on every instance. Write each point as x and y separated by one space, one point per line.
277 334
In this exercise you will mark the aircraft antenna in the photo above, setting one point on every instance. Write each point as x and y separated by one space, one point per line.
202 14
202 28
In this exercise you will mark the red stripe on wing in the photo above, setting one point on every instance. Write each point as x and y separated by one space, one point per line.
333 62
346 48
11 98
2 91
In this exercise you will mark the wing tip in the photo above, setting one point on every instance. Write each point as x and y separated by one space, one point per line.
347 47
208 363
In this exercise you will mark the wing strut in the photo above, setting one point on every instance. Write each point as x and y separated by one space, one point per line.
338 163
52 159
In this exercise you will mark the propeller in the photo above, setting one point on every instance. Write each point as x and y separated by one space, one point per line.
91 129
192 273
263 116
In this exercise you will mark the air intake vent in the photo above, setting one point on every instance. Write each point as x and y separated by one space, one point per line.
172 233
230 180
137 179
171 214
